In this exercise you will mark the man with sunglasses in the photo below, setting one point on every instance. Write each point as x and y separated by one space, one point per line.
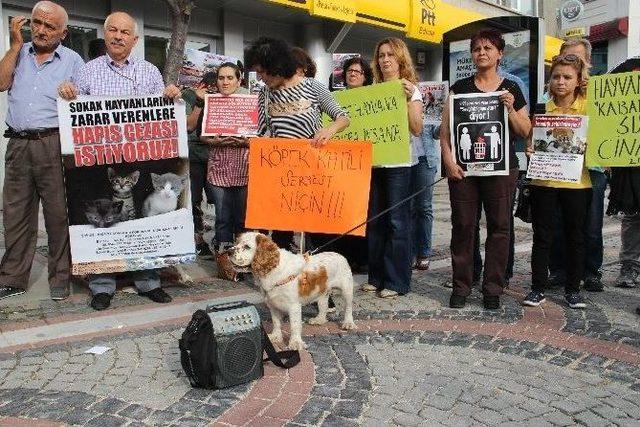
31 73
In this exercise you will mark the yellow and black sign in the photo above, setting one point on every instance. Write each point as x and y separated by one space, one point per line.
341 10
424 20
302 4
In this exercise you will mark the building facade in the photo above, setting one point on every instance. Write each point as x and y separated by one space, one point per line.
612 26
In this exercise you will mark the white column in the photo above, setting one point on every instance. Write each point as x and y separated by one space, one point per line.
135 9
633 39
233 35
316 47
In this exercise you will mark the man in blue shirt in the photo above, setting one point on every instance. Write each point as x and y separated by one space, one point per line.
31 72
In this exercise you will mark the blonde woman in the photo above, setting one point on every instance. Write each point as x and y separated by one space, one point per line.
389 240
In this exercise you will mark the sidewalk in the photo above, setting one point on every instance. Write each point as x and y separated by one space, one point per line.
412 360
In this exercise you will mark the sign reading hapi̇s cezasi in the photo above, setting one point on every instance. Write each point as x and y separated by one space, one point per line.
126 174
559 142
480 133
613 107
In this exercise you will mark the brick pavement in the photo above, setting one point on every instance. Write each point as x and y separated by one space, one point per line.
412 361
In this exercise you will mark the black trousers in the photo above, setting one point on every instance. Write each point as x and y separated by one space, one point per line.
573 205
198 178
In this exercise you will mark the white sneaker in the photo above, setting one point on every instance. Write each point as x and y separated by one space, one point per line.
368 287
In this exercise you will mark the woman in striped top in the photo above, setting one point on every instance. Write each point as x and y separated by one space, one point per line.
291 105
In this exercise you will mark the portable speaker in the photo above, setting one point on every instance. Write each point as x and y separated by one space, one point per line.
238 336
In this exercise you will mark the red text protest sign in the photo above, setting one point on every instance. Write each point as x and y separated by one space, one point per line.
235 115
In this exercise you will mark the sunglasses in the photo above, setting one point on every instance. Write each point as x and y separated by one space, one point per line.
566 58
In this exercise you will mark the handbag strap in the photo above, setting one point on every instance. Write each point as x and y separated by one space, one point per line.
283 359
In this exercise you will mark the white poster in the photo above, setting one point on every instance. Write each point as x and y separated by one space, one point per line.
126 174
559 143
434 95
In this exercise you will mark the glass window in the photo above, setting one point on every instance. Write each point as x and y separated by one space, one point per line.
78 38
599 58
155 50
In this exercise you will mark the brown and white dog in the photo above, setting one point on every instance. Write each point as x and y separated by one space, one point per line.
288 281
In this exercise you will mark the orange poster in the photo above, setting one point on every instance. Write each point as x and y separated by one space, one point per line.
297 187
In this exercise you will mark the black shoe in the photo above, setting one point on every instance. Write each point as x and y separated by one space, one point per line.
101 301
203 250
157 295
574 300
534 299
593 284
457 301
491 302
10 291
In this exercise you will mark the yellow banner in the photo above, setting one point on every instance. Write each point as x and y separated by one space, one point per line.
430 19
302 4
392 14
341 10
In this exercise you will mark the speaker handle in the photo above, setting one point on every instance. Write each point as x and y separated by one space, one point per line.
227 306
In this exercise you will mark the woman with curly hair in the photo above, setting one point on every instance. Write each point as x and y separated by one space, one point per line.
357 72
389 236
291 105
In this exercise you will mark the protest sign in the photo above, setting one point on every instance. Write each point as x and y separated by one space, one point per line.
559 143
480 133
378 113
296 187
196 63
434 95
613 107
126 175
234 115
337 79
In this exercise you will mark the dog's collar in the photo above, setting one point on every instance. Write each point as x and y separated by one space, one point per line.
286 280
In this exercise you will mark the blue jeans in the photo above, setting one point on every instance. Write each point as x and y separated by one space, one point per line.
389 236
145 281
422 207
592 233
231 209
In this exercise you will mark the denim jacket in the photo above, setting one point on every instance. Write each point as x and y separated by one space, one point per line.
431 143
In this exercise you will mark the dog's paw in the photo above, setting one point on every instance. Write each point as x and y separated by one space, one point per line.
276 340
317 320
297 344
348 325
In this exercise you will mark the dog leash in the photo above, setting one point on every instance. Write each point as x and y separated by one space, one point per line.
406 199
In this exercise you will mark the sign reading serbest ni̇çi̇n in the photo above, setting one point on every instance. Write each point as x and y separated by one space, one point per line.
613 107
378 113
294 186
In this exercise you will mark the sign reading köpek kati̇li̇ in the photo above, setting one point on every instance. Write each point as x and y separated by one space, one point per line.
559 143
613 107
480 133
127 183
378 113
294 186
233 115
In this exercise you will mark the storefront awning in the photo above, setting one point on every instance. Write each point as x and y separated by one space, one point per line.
424 20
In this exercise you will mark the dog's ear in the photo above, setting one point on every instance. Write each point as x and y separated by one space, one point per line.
266 257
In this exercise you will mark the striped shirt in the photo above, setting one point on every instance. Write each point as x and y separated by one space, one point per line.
103 77
296 112
228 166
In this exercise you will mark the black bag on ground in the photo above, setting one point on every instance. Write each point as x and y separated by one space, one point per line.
228 350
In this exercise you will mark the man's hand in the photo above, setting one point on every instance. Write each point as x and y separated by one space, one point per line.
16 35
67 91
172 92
